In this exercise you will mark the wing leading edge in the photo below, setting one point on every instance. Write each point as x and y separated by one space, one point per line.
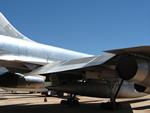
141 50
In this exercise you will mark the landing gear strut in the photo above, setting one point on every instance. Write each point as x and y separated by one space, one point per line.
71 101
113 104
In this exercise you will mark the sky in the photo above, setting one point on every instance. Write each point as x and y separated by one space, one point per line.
88 26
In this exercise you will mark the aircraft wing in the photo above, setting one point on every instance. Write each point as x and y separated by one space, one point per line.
95 61
141 50
75 64
123 61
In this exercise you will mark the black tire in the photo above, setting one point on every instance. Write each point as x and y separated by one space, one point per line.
63 102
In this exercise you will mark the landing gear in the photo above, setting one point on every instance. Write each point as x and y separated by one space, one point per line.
71 101
113 104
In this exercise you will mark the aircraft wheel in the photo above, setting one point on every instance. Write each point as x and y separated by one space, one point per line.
75 102
63 102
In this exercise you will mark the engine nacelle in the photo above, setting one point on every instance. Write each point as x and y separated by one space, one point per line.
135 69
98 88
17 80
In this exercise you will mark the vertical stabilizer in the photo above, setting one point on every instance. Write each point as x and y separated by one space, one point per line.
8 30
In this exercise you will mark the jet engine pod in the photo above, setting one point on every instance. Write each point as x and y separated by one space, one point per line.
18 80
9 79
135 69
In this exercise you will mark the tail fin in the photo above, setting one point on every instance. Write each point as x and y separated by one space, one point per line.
8 30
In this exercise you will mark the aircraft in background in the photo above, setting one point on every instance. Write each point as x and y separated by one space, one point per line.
26 64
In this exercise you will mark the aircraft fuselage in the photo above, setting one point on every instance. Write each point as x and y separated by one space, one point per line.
37 52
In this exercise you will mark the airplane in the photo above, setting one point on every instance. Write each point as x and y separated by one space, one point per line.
26 64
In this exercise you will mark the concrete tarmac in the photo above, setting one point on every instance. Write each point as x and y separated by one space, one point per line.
33 103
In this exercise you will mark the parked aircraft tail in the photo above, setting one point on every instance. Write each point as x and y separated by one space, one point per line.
9 30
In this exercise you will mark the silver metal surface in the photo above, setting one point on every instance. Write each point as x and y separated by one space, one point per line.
143 72
20 53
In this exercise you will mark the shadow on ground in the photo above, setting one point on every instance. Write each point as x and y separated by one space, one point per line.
57 108
84 107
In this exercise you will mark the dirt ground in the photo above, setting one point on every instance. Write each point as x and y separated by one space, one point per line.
33 103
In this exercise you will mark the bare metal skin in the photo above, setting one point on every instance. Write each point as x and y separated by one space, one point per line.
27 59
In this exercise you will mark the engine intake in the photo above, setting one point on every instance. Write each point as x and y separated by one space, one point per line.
135 69
11 79
18 80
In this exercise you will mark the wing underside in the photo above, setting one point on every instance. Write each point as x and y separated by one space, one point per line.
20 63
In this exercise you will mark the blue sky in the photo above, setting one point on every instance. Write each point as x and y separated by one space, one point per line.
89 26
